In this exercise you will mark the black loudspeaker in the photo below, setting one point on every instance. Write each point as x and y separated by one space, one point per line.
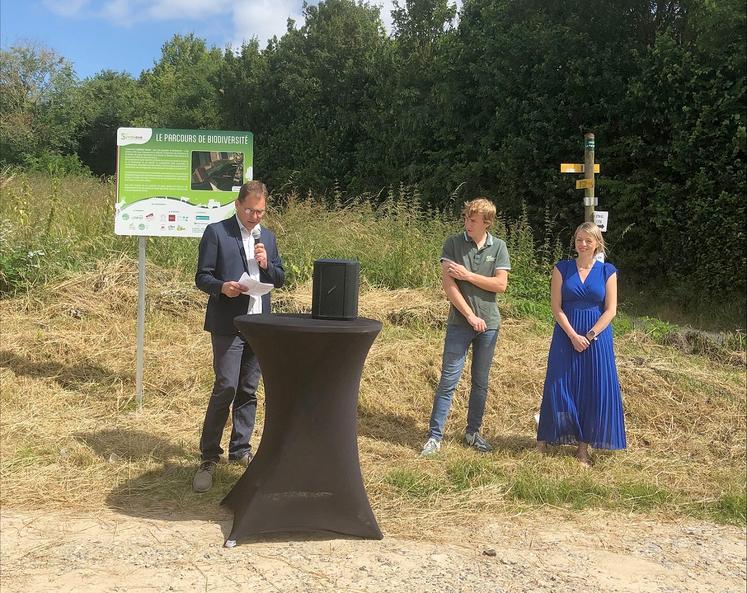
335 289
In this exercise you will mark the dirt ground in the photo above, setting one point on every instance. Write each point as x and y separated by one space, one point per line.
542 552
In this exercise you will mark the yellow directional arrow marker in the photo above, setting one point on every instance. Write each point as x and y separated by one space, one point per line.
584 183
576 167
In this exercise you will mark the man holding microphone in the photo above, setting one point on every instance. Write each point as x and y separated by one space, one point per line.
228 249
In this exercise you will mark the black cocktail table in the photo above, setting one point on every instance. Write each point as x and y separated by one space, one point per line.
306 474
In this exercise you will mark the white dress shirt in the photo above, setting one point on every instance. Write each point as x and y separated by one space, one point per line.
255 303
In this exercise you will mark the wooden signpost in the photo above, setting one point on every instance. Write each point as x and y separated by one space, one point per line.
588 168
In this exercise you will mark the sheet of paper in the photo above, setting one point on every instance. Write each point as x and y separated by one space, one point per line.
252 287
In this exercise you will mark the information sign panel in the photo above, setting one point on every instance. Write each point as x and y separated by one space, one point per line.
173 183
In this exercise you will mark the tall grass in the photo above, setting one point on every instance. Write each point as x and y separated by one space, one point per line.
51 225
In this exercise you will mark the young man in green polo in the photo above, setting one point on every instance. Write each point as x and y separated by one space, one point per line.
474 269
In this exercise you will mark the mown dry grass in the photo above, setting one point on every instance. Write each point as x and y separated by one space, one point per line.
72 436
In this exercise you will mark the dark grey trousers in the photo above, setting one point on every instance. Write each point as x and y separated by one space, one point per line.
237 376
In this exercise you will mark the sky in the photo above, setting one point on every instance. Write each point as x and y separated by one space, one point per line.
127 35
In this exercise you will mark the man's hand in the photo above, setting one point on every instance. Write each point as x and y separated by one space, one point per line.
478 324
260 255
231 289
458 271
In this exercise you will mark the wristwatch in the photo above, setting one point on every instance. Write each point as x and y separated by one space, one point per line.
591 335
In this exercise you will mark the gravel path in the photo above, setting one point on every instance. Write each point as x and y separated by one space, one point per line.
543 552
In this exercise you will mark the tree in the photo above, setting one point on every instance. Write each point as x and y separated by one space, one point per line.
409 127
681 191
242 89
182 88
38 104
319 86
109 100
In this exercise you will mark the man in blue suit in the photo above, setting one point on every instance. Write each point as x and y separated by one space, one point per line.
228 249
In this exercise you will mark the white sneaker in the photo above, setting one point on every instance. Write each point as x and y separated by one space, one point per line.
431 447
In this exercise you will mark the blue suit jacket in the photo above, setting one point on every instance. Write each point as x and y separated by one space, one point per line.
221 259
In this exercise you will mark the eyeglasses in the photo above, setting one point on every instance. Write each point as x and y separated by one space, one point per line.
257 212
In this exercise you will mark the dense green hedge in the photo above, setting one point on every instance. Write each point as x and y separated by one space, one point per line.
489 103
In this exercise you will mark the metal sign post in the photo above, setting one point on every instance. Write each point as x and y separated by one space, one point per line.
139 357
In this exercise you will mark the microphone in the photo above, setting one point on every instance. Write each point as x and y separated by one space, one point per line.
256 236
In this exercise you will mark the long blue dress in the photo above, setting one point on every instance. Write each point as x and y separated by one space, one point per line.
581 400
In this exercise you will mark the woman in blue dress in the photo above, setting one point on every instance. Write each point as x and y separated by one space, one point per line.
581 401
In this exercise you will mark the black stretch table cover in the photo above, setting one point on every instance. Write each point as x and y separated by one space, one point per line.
306 474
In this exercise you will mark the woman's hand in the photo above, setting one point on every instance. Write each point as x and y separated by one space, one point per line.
580 343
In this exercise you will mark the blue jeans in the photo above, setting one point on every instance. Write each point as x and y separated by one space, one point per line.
237 376
458 340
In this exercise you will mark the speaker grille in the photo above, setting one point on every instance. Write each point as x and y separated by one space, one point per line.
335 289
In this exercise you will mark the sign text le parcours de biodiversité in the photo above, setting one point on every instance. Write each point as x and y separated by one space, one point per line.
173 183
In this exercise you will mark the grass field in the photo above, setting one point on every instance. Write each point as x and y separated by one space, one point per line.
72 436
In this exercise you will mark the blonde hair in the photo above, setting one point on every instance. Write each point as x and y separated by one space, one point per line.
481 206
593 231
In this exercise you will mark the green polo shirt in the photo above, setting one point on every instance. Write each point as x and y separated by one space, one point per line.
485 261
